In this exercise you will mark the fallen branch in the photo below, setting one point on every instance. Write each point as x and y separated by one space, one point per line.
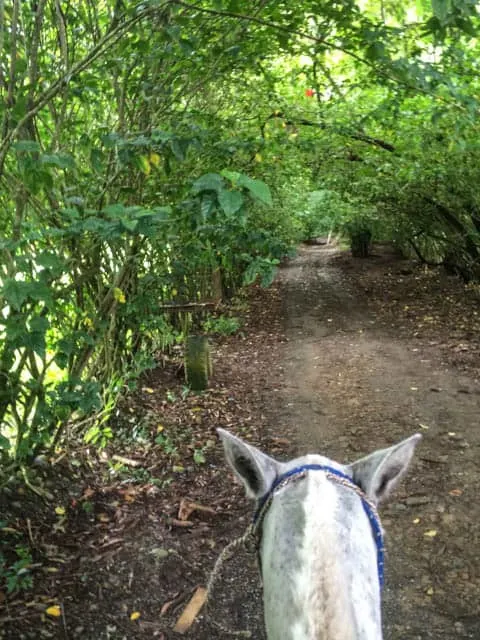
186 305
126 461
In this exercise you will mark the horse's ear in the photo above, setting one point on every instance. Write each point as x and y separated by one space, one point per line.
380 472
256 470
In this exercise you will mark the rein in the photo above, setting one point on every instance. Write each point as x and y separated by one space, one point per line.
252 537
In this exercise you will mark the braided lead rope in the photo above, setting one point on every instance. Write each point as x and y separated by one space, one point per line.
251 538
226 554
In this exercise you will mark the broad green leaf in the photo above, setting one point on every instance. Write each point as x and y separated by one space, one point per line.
129 224
161 136
208 182
111 140
27 145
61 160
230 201
441 9
39 324
16 292
257 188
4 443
40 292
50 261
179 148
114 210
34 340
96 158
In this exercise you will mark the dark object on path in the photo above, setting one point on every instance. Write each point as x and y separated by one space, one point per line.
360 243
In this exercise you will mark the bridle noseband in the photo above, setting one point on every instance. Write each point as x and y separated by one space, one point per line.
298 473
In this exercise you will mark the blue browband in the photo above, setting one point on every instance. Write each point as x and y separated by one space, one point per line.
344 480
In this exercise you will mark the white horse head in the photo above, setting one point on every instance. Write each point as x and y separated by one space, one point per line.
320 539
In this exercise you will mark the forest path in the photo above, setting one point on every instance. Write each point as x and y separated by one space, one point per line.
353 385
340 356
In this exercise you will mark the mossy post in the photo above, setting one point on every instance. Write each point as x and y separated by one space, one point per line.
198 363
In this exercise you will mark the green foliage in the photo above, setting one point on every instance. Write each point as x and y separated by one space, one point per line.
223 325
15 562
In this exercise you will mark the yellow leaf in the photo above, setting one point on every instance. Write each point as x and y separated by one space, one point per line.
160 428
416 521
431 533
119 295
103 517
177 468
154 159
148 390
430 591
135 615
60 511
455 492
54 611
145 165
258 157
424 426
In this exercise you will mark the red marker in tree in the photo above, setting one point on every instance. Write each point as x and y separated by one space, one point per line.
309 93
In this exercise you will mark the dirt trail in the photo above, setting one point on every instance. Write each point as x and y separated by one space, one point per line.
322 364
353 386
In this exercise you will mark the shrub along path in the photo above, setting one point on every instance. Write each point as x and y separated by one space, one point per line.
341 356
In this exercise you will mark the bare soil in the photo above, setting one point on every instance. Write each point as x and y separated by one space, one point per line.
341 356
